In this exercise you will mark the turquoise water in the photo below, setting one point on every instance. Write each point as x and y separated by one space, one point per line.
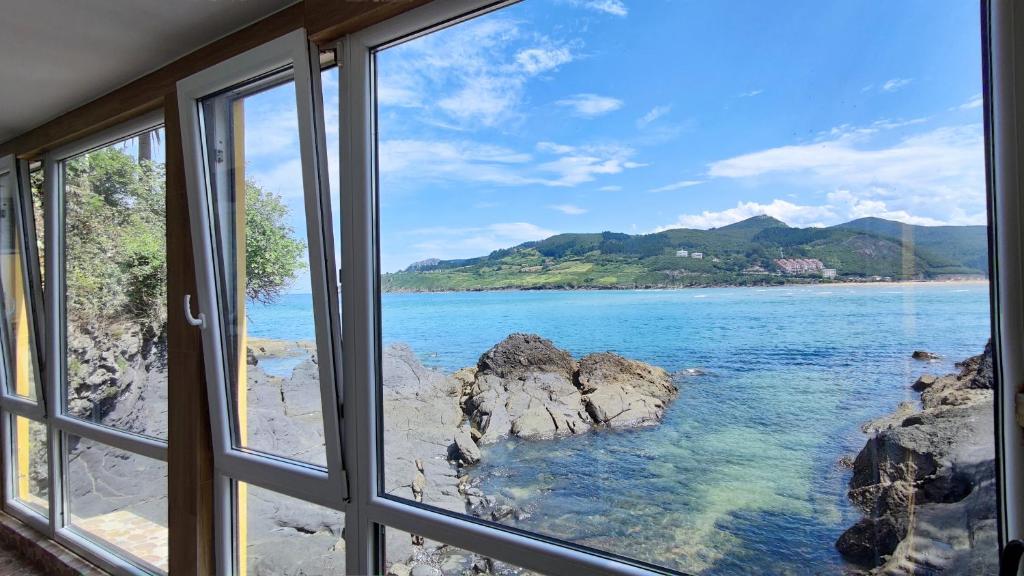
742 475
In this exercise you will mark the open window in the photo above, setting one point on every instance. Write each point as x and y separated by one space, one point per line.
262 228
22 397
20 332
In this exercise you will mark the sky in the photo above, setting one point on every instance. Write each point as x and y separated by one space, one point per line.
635 116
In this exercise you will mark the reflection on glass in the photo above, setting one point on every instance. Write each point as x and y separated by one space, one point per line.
18 334
30 459
118 499
282 536
406 553
116 285
651 312
252 144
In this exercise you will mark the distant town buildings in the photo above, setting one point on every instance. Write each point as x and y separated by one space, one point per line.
697 255
828 273
682 253
801 266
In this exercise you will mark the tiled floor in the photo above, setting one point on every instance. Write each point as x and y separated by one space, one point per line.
13 563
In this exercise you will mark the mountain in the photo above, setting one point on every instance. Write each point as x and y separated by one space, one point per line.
743 253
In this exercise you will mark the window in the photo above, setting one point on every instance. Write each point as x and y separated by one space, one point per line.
531 386
22 381
107 385
270 295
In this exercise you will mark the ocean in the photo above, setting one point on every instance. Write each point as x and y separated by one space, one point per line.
742 476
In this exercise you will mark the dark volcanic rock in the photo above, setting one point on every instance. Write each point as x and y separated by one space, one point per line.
870 539
519 354
922 355
931 476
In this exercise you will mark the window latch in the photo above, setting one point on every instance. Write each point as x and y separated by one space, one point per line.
193 320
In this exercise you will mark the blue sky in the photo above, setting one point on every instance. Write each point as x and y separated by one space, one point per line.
635 116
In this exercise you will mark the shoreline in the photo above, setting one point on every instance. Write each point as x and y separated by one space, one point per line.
880 284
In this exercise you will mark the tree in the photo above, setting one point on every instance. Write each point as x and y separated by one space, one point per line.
117 245
273 256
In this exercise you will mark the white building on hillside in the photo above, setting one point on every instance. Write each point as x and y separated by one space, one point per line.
682 253
697 255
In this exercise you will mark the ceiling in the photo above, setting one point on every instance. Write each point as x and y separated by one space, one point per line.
56 55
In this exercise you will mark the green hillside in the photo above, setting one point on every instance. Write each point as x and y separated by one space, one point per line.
738 254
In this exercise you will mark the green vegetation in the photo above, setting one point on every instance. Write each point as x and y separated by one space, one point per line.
272 255
739 254
116 240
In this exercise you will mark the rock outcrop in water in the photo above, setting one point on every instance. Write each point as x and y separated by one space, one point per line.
925 481
526 387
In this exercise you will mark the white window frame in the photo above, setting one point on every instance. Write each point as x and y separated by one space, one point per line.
12 405
373 510
324 486
59 423
16 173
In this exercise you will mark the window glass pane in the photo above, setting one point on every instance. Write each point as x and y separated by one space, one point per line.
118 499
36 186
18 334
30 461
278 535
115 280
265 291
651 273
407 554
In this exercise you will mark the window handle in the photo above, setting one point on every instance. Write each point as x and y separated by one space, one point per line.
194 321
1012 553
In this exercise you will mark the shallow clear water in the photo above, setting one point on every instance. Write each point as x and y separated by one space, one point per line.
742 475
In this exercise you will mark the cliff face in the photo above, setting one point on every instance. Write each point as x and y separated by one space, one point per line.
925 481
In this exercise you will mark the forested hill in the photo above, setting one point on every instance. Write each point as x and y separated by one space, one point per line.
737 254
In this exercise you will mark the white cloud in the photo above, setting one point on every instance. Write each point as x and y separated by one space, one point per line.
537 60
652 115
928 178
612 188
677 186
854 207
449 243
613 7
569 209
579 164
894 84
788 212
976 101
750 94
945 163
468 76
469 161
451 160
590 105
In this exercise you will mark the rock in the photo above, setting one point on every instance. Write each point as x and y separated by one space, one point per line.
464 449
250 356
977 370
904 410
924 382
519 354
528 388
622 392
399 569
867 541
425 570
931 476
846 462
922 355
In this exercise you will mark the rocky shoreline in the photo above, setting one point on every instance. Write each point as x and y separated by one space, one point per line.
435 425
925 480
